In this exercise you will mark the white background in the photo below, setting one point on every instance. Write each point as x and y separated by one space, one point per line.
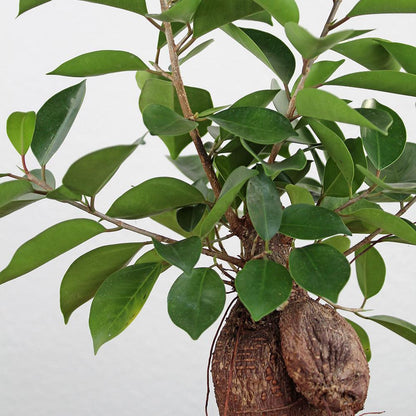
153 368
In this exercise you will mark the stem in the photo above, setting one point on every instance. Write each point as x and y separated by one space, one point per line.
159 27
343 308
26 170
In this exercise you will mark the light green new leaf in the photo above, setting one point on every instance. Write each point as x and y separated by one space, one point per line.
404 54
389 223
364 339
310 222
88 272
258 125
162 121
136 6
264 206
119 300
299 195
340 242
183 254
91 173
382 6
54 120
181 11
320 269
282 10
212 14
371 271
309 46
399 326
262 286
25 5
320 104
260 98
388 81
99 63
20 128
230 190
196 300
153 197
49 244
383 150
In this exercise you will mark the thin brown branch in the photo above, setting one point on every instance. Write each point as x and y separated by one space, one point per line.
343 308
186 46
159 27
339 23
185 38
357 198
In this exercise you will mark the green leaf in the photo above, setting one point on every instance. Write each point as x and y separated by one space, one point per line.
181 11
319 73
404 54
88 272
183 254
297 162
388 81
20 129
196 300
119 300
189 217
340 242
258 125
364 339
260 98
136 6
198 49
368 52
264 206
320 269
25 5
12 190
399 326
389 223
91 173
371 271
319 104
282 10
262 286
190 166
230 190
310 222
54 120
49 244
382 6
383 150
309 46
177 27
153 197
99 63
151 256
299 195
62 193
403 169
162 121
169 220
212 14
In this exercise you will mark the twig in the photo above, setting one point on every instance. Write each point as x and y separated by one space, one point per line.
186 46
186 37
335 25
159 27
343 308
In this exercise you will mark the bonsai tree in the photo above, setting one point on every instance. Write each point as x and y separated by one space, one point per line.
274 171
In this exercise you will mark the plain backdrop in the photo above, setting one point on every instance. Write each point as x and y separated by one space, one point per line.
153 368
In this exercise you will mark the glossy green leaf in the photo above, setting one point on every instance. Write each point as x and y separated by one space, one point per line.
296 162
198 49
230 190
152 256
368 52
88 272
62 193
399 326
54 120
25 5
364 339
299 195
262 286
119 300
260 98
91 173
320 269
382 6
383 150
258 125
212 14
155 196
388 81
340 242
404 54
189 217
309 46
136 6
371 271
403 169
389 223
183 254
49 244
162 121
20 129
310 222
169 220
100 63
12 190
196 300
319 73
190 166
322 105
261 16
282 10
181 11
264 206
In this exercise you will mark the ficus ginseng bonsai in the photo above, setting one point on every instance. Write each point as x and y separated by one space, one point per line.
284 349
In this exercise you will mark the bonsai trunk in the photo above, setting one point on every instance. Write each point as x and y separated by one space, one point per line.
305 360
